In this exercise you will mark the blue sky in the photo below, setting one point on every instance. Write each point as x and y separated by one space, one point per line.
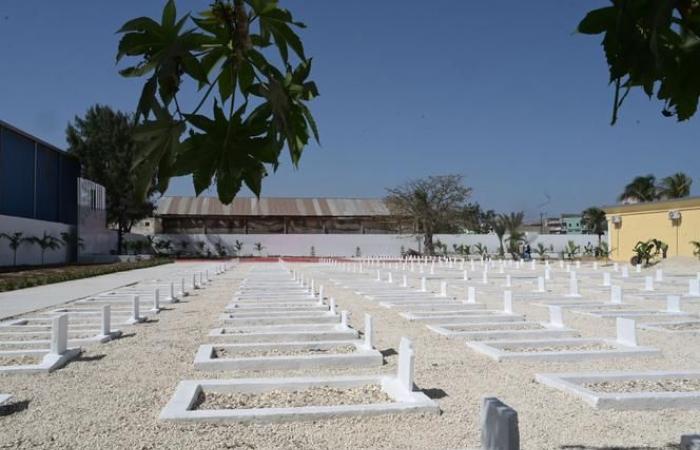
504 93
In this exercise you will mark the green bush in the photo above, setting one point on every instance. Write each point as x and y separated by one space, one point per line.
13 281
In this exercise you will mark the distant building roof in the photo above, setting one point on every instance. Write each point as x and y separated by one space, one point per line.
272 206
676 203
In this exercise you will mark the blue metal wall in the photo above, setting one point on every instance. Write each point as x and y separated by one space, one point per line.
36 181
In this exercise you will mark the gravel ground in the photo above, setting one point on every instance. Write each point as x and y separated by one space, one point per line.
663 385
19 360
317 396
224 352
110 397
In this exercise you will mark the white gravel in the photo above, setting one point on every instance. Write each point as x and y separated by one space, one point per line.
111 396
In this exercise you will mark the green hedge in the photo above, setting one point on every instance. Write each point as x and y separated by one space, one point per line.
12 281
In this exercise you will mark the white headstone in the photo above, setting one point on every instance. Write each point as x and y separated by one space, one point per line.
606 279
659 275
625 271
673 304
423 284
443 289
693 288
404 282
369 332
344 319
466 275
390 278
573 285
556 317
638 268
485 277
626 332
616 295
405 366
135 309
508 302
595 265
547 273
156 300
648 283
106 320
332 306
59 334
320 292
172 292
540 284
471 294
194 281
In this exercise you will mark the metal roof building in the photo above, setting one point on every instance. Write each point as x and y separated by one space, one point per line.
282 215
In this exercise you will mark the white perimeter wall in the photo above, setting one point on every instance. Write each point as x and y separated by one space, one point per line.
370 244
30 254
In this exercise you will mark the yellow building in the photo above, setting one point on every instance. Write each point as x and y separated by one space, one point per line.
675 222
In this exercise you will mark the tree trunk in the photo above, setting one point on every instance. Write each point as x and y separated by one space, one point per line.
120 239
428 243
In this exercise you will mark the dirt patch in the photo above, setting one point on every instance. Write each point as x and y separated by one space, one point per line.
317 396
662 385
224 352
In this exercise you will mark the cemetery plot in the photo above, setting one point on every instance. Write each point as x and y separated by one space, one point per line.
630 390
619 312
567 349
477 316
41 361
264 319
280 334
575 349
502 330
432 306
290 355
294 399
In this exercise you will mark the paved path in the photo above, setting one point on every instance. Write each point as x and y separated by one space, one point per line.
22 301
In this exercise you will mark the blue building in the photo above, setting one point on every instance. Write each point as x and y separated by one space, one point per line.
37 180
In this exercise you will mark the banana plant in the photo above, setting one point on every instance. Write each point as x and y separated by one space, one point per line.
257 107
696 248
644 252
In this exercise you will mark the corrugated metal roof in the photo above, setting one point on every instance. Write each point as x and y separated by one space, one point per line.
272 206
